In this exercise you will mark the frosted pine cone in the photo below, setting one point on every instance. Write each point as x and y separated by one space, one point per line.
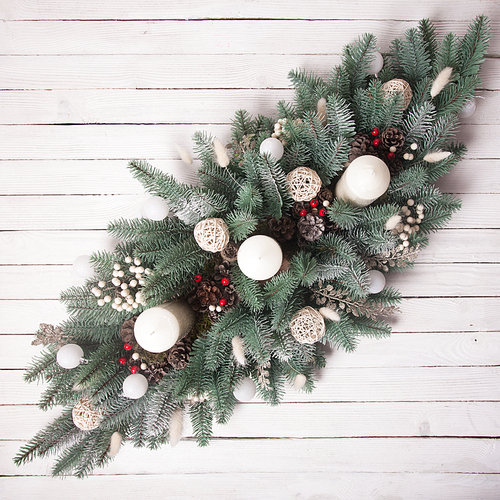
311 227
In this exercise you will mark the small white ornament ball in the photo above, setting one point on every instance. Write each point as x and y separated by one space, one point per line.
69 356
468 110
246 390
377 63
377 281
260 257
272 147
155 208
82 267
135 386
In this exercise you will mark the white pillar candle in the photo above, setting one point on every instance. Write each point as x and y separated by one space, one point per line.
364 180
260 257
159 328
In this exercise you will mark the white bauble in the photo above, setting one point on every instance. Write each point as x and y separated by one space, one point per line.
377 281
155 208
272 147
246 390
376 64
69 356
82 267
135 386
468 110
260 257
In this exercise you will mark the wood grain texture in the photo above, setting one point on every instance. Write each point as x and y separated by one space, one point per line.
87 86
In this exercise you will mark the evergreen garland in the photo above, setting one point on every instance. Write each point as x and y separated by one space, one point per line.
326 265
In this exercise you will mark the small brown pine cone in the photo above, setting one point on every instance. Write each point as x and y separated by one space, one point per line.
325 194
231 295
178 355
222 270
361 145
297 207
230 252
395 167
392 137
127 330
156 371
282 229
311 227
206 294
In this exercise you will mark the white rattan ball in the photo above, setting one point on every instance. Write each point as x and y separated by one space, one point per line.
303 184
307 325
211 234
399 86
85 417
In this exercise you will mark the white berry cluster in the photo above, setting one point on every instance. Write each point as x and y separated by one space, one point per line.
409 223
123 292
279 129
409 156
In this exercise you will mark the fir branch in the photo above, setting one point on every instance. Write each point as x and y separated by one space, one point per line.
473 47
248 289
202 418
240 224
428 32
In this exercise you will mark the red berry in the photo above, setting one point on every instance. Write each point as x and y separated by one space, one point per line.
391 156
322 212
127 346
134 369
376 142
314 203
198 278
375 132
223 302
122 361
225 281
303 212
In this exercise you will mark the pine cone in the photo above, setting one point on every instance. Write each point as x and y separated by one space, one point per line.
311 227
325 195
282 229
361 145
206 294
297 207
395 167
231 295
221 270
390 137
230 252
178 355
156 371
127 330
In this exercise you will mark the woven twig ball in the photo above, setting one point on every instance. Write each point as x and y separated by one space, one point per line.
307 325
211 234
303 184
397 85
85 417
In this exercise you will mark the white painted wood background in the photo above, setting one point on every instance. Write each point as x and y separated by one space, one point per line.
86 86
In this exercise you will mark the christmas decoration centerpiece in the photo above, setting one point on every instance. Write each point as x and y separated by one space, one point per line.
232 287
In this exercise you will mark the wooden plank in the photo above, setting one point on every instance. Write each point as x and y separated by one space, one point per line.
227 36
60 247
174 71
469 383
333 456
424 280
112 176
227 9
89 142
399 350
164 105
457 419
278 486
418 315
28 213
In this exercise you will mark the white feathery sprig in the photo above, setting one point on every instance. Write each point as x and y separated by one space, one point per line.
329 313
321 110
176 426
441 81
392 222
221 153
184 154
239 350
114 444
299 382
437 156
